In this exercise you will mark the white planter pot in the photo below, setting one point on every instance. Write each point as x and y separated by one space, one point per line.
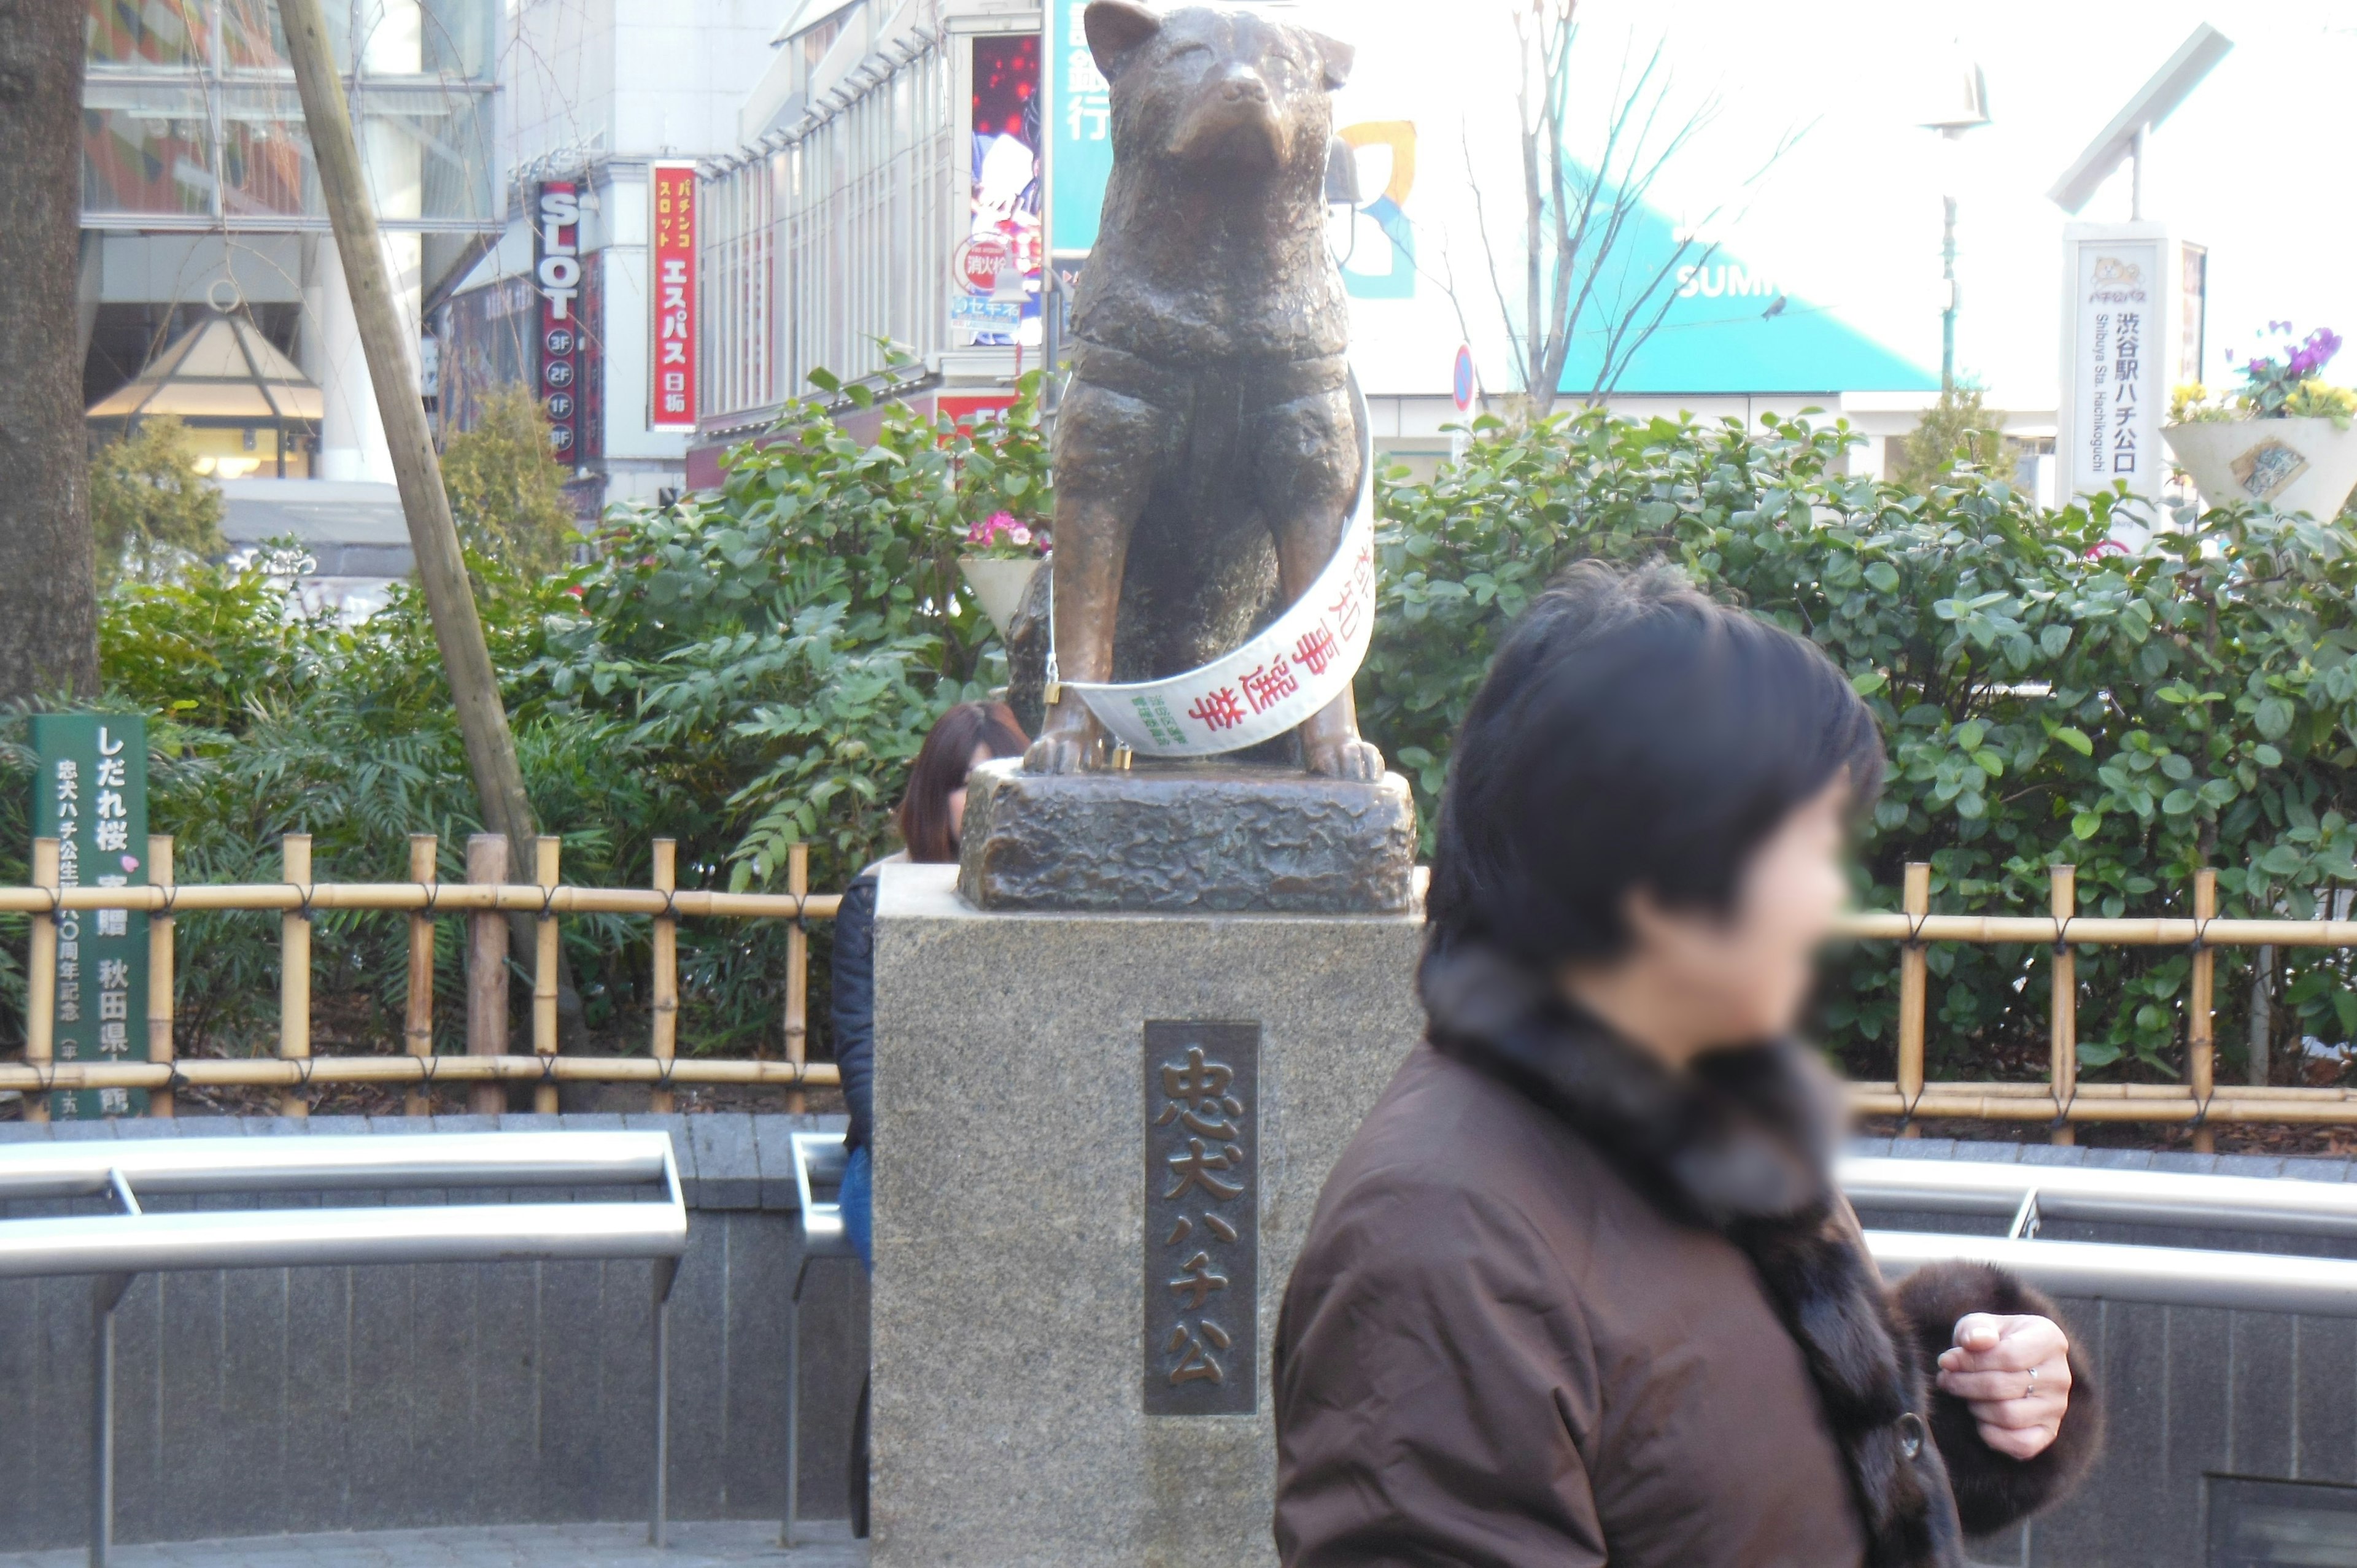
2292 465
999 585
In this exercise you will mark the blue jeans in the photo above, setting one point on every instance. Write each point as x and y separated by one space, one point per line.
859 1199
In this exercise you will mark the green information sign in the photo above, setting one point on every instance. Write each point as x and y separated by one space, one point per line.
89 793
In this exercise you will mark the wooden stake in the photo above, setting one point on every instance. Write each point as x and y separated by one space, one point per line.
545 851
666 975
2201 1007
1917 901
295 970
2062 1062
41 981
487 969
387 344
417 1018
160 1102
797 973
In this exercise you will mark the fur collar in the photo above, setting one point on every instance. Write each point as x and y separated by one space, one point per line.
1742 1143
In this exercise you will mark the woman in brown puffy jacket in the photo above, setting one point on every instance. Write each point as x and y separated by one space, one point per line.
1581 1292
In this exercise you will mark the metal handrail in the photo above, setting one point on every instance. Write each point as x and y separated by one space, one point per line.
2106 1271
116 1247
2096 1193
2166 1276
312 1164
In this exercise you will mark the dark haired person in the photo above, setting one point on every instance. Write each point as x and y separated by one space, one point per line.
968 735
930 811
1581 1292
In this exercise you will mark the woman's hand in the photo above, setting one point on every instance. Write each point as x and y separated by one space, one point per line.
2014 1374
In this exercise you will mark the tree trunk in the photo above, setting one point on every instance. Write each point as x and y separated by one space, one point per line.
48 598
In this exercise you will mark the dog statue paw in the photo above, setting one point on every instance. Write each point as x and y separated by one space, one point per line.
1062 750
1353 760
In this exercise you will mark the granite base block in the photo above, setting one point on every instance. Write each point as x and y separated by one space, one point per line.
1011 1198
1188 838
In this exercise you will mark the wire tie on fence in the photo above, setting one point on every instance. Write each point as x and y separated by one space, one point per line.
2062 935
1915 924
171 895
178 1080
433 891
2201 1110
303 1069
664 1066
548 1068
2062 1111
671 904
427 1065
2201 935
547 902
302 910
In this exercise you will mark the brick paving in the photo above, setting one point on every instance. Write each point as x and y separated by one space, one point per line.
824 1544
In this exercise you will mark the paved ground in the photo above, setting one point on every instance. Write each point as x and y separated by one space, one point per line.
734 1545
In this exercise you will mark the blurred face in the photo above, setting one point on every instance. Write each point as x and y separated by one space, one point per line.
981 753
1697 979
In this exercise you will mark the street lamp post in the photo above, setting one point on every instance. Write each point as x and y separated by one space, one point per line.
1964 106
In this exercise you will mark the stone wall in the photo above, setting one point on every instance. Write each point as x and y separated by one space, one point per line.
388 1397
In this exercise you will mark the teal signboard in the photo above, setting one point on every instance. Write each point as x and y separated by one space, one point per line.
1078 132
89 793
1725 326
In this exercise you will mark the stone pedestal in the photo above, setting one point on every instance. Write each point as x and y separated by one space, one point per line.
1180 838
1094 1132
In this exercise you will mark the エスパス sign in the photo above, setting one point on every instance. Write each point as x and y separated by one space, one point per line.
672 383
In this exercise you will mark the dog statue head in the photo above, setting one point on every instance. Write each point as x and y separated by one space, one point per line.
1216 87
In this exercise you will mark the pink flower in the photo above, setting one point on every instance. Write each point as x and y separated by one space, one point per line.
1020 534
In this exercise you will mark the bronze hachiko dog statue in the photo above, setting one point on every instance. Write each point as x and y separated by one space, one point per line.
1207 456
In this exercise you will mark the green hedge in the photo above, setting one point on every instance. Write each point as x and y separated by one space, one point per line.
2046 699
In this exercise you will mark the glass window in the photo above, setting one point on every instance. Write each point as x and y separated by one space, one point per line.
145 160
267 169
145 34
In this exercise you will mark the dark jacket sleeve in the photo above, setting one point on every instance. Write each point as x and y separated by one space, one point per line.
1434 1388
1993 1491
853 1005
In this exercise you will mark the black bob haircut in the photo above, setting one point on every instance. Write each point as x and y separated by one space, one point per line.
1631 734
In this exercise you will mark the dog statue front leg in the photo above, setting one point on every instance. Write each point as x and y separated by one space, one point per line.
1108 446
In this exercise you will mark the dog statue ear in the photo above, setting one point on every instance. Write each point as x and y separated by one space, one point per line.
1340 57
1116 28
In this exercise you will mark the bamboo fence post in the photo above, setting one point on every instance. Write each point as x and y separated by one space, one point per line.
2202 1040
2062 1069
797 972
160 1102
1917 902
294 969
487 968
2263 969
666 976
417 1022
546 852
41 981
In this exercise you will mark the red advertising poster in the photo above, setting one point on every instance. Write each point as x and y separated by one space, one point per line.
672 349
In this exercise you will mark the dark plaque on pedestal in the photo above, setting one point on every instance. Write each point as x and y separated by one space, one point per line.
1203 1218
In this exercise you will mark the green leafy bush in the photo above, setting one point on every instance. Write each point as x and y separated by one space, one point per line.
2046 699
150 512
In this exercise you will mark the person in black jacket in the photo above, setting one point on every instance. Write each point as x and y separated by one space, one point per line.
931 813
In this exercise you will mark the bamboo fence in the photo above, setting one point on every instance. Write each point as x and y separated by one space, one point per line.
485 900
2062 1100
